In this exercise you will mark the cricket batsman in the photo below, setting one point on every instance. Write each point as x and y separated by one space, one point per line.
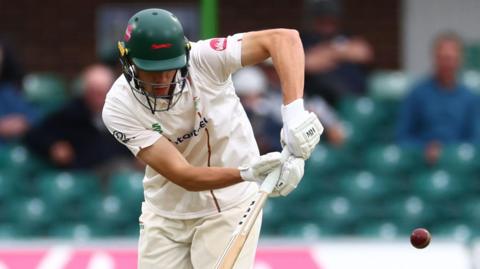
175 109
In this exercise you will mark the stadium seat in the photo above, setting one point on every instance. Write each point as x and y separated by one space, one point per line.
76 231
439 185
336 211
9 231
461 158
355 137
324 160
107 213
471 78
380 229
128 186
45 90
274 214
364 186
457 231
470 210
362 112
409 211
391 159
7 186
66 192
472 56
16 157
309 230
31 215
388 85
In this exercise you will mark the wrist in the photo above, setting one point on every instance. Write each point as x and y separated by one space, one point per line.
291 111
245 173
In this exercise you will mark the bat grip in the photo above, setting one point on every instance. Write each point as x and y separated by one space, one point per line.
272 178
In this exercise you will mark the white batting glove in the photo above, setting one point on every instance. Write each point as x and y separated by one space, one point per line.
290 176
261 167
301 129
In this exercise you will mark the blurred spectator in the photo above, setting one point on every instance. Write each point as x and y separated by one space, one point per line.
261 97
16 115
439 109
74 137
335 63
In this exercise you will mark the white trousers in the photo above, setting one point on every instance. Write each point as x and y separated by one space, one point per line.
194 243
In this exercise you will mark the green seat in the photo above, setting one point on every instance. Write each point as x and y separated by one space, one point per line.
440 185
461 158
133 230
471 78
8 182
336 211
391 159
470 210
128 186
275 213
355 136
472 56
380 229
362 112
76 231
31 215
364 186
327 160
309 230
452 230
65 192
391 85
16 157
410 212
45 90
9 231
108 213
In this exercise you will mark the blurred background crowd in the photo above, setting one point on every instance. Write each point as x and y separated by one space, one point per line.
396 90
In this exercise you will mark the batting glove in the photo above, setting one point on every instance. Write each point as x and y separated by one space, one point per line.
261 167
290 176
301 129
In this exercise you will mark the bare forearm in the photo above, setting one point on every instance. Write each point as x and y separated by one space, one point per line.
208 178
289 61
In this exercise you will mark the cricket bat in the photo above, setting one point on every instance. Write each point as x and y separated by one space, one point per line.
240 234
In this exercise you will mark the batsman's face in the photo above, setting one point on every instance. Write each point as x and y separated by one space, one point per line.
157 83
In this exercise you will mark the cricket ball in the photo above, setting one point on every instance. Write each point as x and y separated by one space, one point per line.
420 238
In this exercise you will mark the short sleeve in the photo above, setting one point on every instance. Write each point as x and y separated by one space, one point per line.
218 57
127 129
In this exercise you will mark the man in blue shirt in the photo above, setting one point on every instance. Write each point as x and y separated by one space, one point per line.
440 110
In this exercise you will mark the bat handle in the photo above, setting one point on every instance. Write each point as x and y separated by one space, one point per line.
272 178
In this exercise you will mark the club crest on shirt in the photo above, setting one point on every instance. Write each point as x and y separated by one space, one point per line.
157 127
218 44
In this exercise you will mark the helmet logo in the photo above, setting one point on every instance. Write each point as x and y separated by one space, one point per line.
218 44
128 32
161 46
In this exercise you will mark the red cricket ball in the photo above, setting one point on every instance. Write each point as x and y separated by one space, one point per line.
420 238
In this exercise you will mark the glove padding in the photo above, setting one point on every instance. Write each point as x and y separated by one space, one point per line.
258 170
302 136
290 175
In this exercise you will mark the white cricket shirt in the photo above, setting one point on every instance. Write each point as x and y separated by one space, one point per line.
208 114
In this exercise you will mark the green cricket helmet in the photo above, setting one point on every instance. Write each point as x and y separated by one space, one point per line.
154 42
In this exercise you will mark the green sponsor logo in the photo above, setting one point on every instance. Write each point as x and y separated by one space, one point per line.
157 127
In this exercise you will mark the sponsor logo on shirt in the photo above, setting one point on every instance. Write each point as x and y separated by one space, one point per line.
121 137
193 133
218 44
